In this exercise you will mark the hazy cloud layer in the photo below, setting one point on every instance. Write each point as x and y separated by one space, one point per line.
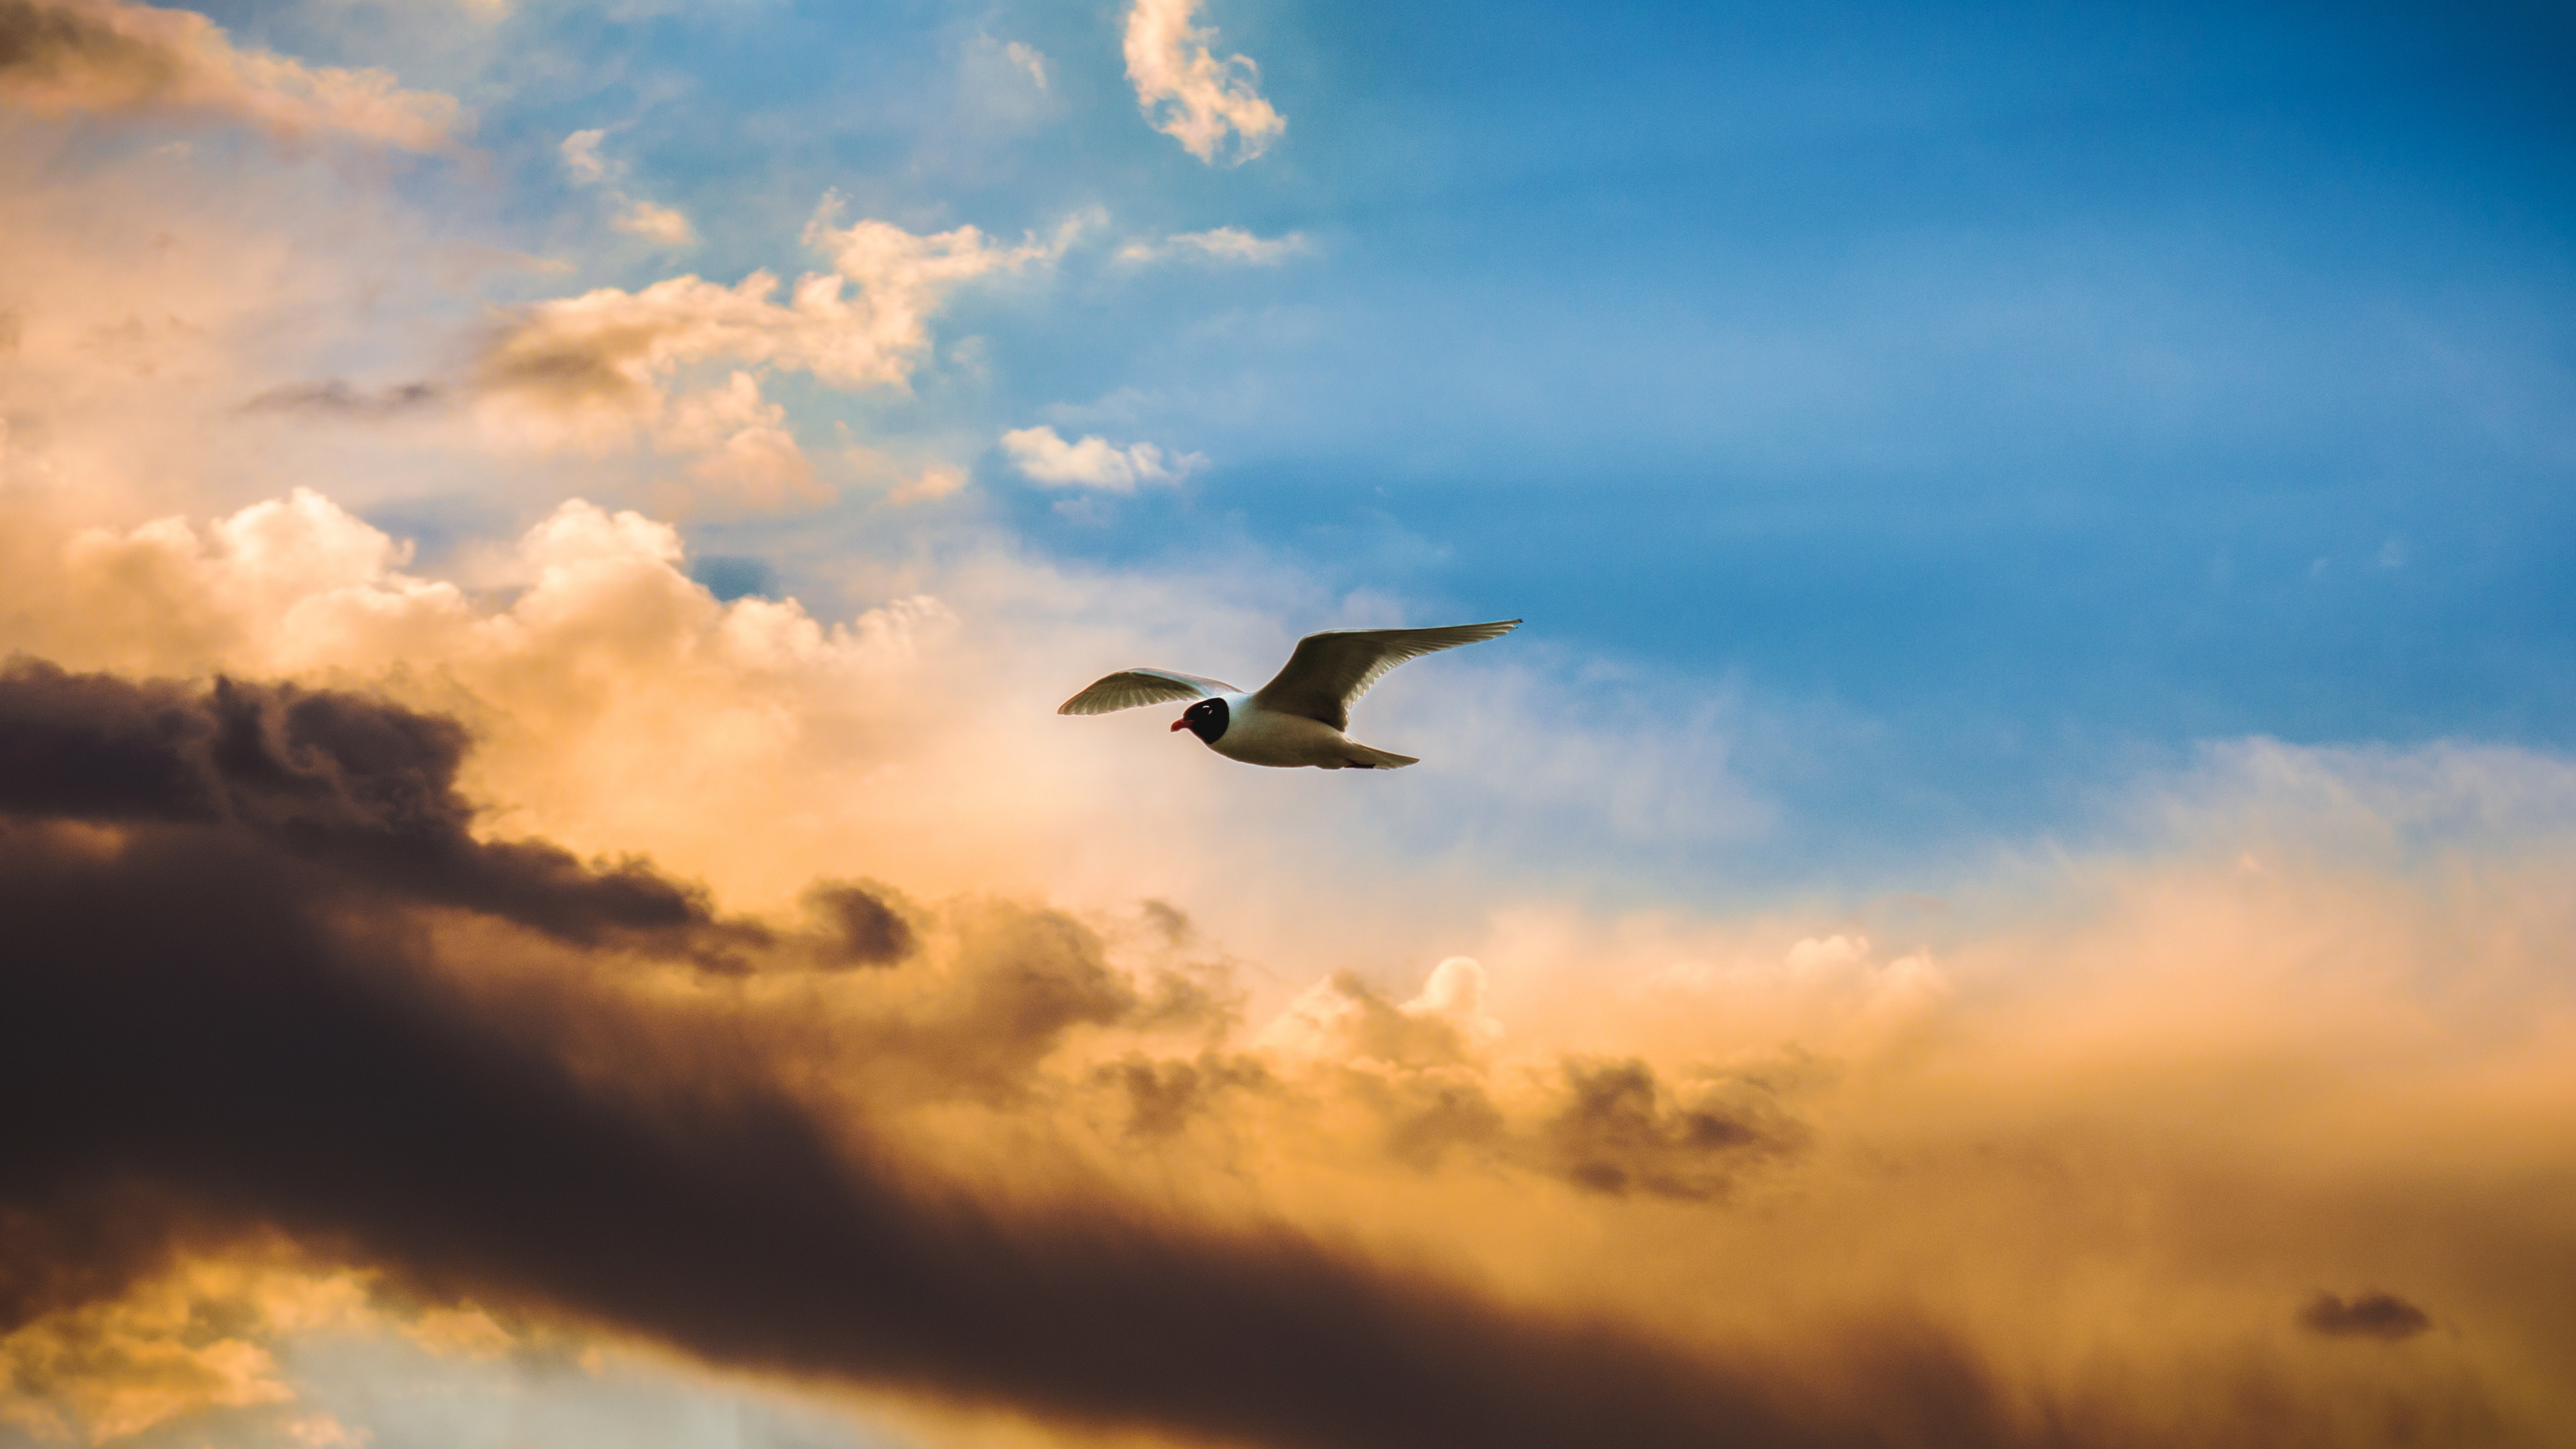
59 56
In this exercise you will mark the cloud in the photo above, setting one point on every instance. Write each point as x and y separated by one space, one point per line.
1190 95
2193 1091
350 788
229 1039
2371 1315
635 215
740 441
1029 59
62 56
591 371
1224 244
581 159
642 218
334 397
1045 458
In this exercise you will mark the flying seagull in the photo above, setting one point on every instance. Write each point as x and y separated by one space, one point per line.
1298 718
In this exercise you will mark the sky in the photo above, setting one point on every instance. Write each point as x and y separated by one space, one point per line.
2008 890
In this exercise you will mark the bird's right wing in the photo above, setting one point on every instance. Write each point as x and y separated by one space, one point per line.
1129 688
1333 669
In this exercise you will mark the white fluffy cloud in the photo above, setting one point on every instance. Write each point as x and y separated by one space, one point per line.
1045 458
1189 94
1224 244
598 371
597 363
62 56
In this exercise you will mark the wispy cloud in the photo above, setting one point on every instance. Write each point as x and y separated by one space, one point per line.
61 56
1189 94
636 216
334 397
1045 458
1223 245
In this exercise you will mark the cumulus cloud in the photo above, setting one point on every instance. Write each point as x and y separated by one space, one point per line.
1224 245
1189 94
741 444
1043 457
595 371
62 56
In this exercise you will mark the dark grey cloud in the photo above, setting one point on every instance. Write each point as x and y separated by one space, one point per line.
2368 1315
1619 1130
198 1037
862 929
113 56
362 792
57 44
1163 1095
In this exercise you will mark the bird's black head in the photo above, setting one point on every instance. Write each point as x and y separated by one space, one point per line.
1206 719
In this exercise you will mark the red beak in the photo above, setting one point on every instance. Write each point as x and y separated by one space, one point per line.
1180 724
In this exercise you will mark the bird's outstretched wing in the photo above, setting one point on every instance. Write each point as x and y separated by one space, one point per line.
1129 688
1331 670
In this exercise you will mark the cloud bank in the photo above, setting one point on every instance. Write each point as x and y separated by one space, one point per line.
215 983
2233 1112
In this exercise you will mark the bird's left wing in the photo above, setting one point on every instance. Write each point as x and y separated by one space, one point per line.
1129 688
1331 670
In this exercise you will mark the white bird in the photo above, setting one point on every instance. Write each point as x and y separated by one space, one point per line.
1297 718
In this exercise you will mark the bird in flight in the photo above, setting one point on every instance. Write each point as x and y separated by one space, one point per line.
1297 718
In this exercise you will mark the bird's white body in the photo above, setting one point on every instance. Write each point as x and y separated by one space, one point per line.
1296 719
1258 736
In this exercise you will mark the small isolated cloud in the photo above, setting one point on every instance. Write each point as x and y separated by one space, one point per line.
1028 58
581 157
58 57
1189 94
1224 244
2371 1315
654 223
1045 458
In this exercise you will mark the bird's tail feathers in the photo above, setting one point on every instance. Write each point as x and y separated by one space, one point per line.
1363 758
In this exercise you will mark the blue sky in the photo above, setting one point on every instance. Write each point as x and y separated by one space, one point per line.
2028 391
